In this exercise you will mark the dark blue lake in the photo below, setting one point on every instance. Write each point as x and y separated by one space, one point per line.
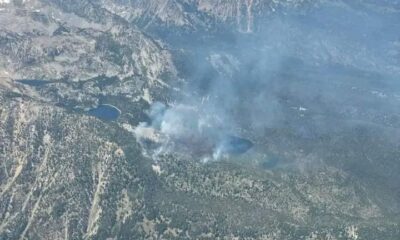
235 145
105 112
32 82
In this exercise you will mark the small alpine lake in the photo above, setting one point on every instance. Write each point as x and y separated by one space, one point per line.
105 112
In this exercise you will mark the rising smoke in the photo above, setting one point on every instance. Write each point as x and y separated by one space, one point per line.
324 61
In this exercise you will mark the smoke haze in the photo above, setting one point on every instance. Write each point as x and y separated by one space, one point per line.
314 72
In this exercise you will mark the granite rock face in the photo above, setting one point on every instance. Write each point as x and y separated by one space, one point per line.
71 176
314 105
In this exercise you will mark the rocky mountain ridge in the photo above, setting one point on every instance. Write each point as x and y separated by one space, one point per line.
324 166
